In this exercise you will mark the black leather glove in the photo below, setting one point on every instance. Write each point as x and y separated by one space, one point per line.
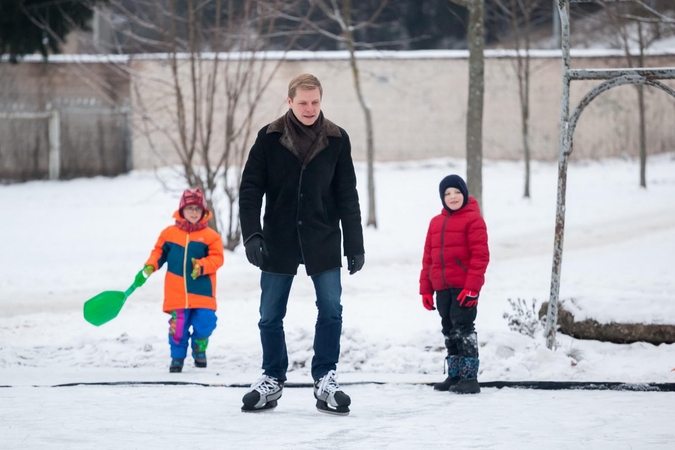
355 263
256 250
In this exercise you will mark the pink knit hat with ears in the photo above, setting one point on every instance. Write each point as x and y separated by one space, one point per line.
192 196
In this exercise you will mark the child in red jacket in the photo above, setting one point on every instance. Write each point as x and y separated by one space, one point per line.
455 258
192 252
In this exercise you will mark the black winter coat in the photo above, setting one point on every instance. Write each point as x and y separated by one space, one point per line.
304 203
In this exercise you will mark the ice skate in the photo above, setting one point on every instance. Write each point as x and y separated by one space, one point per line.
263 394
330 398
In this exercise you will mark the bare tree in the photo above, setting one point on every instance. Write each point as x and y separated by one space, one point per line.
474 114
518 14
342 16
246 79
638 26
216 52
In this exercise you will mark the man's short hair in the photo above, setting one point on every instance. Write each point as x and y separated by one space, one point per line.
304 81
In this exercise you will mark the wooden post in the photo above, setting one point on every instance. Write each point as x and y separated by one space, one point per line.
54 144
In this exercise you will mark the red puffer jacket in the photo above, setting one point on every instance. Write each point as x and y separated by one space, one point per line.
456 251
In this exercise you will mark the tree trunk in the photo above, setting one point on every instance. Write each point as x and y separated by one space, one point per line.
620 333
372 218
525 105
641 110
370 146
519 13
643 137
526 146
474 116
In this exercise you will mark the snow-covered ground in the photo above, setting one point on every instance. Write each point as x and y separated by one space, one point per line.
384 417
65 242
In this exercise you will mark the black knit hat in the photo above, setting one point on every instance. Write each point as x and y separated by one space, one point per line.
453 181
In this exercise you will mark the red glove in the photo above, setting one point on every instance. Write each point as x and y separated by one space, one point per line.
428 301
468 298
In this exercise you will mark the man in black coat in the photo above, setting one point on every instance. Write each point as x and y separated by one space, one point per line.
301 163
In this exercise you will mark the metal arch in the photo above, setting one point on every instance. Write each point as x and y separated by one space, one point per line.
613 77
604 87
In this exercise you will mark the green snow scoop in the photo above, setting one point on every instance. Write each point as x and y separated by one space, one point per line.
107 305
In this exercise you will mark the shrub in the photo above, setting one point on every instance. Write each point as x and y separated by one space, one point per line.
523 319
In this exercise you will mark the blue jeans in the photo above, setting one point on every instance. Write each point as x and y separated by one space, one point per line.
273 301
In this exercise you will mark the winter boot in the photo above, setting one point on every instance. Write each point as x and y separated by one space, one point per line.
176 365
263 394
454 363
330 398
468 374
199 351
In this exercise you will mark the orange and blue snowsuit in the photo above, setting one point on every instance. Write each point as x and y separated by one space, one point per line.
189 302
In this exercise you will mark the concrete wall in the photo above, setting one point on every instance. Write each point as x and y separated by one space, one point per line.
419 108
418 101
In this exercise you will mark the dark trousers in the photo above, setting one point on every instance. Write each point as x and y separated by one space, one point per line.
273 301
457 324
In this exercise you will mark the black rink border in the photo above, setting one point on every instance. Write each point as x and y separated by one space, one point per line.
537 385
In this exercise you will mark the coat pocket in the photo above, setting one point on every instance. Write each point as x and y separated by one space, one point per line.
459 263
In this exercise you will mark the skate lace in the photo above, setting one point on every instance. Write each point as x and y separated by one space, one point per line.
264 385
328 383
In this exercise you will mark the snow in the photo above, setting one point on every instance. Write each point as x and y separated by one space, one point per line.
665 44
407 417
663 47
67 241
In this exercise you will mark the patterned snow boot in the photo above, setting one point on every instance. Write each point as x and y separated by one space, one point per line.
176 365
454 363
468 374
199 351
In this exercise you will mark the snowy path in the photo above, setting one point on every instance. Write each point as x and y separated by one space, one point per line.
388 416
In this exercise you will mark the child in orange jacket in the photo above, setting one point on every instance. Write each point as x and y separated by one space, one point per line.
193 252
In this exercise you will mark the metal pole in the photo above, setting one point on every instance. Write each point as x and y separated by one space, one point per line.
564 146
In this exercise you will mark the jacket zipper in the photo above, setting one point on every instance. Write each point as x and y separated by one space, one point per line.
297 213
187 241
445 222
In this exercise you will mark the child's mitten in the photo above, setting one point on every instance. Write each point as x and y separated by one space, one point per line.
468 298
428 301
143 275
196 269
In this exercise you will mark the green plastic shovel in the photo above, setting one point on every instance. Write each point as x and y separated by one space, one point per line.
107 305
